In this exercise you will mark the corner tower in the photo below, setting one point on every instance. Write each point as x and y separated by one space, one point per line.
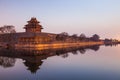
33 26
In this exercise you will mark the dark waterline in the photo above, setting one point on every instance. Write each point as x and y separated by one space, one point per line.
84 63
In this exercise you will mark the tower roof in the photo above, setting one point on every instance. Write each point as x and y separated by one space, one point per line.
33 20
33 23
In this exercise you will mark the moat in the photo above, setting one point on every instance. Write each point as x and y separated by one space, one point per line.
80 63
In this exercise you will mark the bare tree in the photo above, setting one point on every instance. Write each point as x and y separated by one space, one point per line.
74 37
95 37
62 36
82 37
7 29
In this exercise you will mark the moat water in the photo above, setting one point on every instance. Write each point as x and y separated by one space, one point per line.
91 63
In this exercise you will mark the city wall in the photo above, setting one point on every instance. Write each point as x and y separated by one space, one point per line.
58 45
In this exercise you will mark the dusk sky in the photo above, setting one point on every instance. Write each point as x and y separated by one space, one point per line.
90 17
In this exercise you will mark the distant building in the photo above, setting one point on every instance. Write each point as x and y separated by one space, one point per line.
33 35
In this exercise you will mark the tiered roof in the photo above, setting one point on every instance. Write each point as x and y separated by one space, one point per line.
33 23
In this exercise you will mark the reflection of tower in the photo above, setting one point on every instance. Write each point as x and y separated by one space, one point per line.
33 26
33 66
33 63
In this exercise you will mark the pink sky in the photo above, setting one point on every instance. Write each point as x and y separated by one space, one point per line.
73 16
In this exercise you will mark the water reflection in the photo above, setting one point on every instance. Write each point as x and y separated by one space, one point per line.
114 44
82 50
95 48
32 62
7 62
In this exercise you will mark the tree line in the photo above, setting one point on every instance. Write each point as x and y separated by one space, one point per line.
64 36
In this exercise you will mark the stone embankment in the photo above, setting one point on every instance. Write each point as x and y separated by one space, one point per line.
58 45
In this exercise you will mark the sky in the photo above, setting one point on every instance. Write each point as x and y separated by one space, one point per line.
73 16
